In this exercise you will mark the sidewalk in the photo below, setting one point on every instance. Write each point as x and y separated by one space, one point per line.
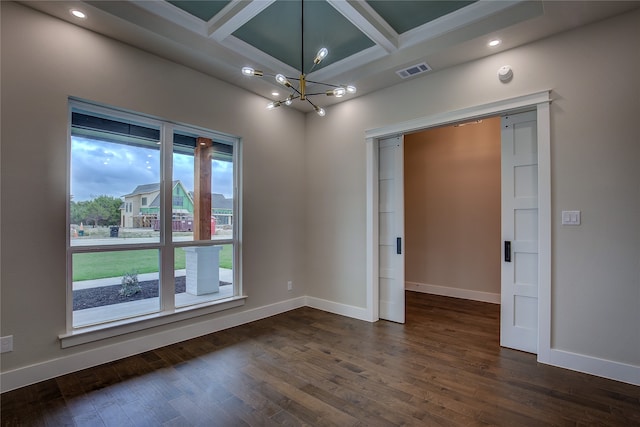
226 275
107 313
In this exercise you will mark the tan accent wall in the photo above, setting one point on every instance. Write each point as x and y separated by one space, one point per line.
452 207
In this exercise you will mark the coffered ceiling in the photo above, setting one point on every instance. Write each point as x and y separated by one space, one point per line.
368 41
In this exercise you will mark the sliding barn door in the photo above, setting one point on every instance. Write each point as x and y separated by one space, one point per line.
391 229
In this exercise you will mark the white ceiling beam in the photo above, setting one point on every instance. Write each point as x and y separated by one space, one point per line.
366 19
233 16
173 14
259 59
452 21
353 62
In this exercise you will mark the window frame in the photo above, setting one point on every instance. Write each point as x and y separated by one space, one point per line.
168 312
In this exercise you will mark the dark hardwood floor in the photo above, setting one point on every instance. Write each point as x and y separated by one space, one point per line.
308 367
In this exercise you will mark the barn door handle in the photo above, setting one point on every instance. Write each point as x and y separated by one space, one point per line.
507 251
399 245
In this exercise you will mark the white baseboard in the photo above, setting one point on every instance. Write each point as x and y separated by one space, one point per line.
622 372
359 313
446 291
31 374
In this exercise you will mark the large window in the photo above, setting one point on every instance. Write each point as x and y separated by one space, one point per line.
152 217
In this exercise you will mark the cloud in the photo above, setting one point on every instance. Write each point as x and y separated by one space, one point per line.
113 169
222 181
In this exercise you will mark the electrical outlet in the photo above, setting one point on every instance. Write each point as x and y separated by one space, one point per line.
6 344
290 285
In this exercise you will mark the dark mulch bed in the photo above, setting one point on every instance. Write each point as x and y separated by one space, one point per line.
107 295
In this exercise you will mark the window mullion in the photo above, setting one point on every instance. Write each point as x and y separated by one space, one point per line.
167 280
237 219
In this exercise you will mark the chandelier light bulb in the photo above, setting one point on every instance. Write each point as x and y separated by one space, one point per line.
280 78
339 92
320 111
289 100
322 53
248 71
351 89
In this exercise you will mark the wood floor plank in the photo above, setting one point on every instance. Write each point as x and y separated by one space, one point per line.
444 367
248 414
308 407
323 377
311 380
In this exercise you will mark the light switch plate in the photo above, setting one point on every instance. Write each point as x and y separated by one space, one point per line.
570 217
6 344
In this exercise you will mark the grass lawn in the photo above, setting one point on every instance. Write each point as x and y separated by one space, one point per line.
87 266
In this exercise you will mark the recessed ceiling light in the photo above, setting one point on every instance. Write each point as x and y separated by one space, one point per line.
78 13
275 93
495 42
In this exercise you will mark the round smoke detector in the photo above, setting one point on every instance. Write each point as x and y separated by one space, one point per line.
505 73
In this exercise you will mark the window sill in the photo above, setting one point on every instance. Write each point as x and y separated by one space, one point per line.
112 329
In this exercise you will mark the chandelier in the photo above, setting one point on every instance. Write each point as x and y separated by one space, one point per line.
299 91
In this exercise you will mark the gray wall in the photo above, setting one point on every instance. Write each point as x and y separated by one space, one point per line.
44 61
595 149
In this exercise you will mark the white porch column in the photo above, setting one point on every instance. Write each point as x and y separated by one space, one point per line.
203 269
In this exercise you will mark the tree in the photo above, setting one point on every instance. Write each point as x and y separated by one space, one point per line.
102 210
78 212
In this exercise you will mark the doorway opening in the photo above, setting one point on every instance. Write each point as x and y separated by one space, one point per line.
453 210
539 104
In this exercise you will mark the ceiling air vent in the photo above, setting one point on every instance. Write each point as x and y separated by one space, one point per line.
413 70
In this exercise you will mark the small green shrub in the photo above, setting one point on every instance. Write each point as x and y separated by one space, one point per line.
130 284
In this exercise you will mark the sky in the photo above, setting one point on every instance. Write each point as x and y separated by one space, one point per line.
105 168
